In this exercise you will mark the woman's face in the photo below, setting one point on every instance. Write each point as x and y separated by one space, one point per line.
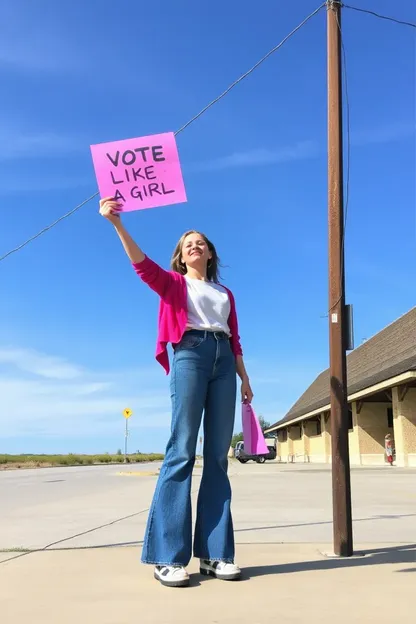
195 252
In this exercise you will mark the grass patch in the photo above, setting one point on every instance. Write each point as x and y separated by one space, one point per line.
72 459
18 549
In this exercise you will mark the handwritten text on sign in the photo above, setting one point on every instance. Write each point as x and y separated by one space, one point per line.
140 173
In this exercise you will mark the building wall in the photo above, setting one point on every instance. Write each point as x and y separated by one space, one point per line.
282 447
315 444
372 427
404 422
284 451
298 448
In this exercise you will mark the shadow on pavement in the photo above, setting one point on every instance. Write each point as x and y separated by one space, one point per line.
377 556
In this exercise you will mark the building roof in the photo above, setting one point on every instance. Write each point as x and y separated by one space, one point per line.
389 353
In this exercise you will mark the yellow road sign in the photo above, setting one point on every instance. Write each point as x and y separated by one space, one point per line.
127 412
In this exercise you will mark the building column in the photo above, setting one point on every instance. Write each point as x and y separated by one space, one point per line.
305 441
354 438
278 447
326 435
404 425
289 446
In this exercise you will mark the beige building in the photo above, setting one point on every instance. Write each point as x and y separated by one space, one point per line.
381 398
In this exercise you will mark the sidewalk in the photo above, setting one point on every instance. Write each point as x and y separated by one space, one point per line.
286 583
94 521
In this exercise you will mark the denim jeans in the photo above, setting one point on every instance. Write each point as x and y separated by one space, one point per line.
203 379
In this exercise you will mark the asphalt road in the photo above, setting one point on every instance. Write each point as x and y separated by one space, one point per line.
78 507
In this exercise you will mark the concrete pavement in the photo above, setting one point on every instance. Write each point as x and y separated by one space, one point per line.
92 520
93 506
283 583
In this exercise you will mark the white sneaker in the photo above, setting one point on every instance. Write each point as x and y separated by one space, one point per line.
172 575
220 570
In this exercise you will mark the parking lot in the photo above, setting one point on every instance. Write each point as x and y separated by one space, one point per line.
99 505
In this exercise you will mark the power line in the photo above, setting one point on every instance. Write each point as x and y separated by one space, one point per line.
49 227
384 17
222 95
266 56
217 99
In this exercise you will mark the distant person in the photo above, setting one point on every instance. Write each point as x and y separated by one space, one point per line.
388 445
198 317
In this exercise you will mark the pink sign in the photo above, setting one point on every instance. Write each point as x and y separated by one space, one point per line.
140 173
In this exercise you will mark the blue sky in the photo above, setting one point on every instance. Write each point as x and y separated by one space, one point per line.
77 328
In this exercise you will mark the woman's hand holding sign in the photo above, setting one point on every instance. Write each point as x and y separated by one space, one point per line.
109 209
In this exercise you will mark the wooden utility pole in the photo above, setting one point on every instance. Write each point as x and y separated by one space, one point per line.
341 484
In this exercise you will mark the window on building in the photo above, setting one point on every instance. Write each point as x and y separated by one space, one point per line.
350 420
296 432
390 417
283 435
315 427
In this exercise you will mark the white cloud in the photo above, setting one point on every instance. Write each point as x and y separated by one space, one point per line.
43 395
21 142
258 157
302 150
387 133
39 364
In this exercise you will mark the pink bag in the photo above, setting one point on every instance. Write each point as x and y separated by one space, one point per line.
254 443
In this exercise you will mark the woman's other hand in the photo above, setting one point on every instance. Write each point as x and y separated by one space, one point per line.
246 391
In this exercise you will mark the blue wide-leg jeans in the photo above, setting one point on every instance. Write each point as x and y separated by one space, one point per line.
203 380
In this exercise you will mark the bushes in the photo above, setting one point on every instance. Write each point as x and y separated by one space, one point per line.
104 459
75 460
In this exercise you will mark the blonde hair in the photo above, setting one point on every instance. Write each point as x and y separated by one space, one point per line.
176 264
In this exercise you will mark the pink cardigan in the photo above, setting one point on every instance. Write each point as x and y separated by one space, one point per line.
173 310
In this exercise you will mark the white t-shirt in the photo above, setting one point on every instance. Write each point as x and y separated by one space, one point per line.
208 306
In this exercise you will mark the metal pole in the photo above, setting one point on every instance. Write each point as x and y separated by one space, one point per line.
341 485
125 440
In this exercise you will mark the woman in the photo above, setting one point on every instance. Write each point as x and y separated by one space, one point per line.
197 316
